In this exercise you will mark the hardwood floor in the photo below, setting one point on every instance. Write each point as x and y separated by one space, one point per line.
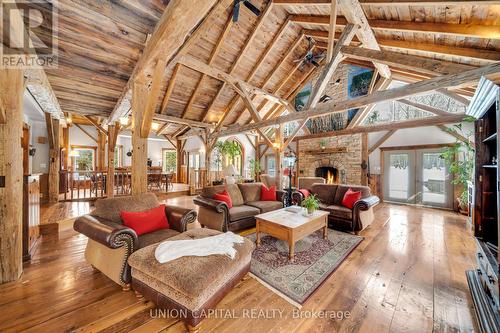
406 276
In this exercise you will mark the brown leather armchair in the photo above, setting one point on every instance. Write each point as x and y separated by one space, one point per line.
111 243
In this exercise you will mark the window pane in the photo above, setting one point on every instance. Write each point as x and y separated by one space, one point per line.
169 161
85 162
433 178
399 174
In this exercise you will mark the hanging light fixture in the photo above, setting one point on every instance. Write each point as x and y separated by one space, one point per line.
124 121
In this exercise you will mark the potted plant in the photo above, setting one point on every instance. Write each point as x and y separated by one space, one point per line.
460 161
322 144
311 203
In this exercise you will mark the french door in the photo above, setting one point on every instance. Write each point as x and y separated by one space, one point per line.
417 176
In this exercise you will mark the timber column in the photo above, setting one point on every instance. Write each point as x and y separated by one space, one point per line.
139 144
11 174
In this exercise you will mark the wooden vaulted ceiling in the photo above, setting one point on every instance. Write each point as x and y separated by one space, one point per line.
100 43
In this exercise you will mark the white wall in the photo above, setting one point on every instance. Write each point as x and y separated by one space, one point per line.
34 117
155 146
410 137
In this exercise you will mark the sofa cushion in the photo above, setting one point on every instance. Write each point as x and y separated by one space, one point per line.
325 192
209 191
339 211
110 208
350 198
146 221
266 206
241 212
189 281
235 194
156 237
267 194
342 189
224 196
250 191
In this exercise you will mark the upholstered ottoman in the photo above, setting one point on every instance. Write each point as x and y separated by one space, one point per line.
189 284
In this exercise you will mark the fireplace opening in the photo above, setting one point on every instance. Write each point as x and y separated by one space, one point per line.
330 174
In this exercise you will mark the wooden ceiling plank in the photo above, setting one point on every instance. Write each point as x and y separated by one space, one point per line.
381 140
249 40
327 72
424 107
445 81
406 61
181 25
213 54
170 89
152 99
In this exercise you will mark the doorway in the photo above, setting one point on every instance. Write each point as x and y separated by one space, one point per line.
417 176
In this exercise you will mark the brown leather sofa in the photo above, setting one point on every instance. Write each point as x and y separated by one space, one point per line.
111 243
341 217
245 197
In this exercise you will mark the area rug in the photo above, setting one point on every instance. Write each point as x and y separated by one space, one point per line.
315 259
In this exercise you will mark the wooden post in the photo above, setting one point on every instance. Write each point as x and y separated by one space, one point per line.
179 161
278 150
257 156
364 158
54 156
101 151
139 144
11 175
65 133
110 179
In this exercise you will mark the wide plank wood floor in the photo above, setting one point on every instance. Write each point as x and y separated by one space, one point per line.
406 276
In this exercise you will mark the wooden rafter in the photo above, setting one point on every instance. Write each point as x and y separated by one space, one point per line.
294 134
213 54
169 139
170 89
247 44
180 26
163 128
424 107
445 81
454 96
381 140
464 30
327 73
183 121
96 124
331 29
179 131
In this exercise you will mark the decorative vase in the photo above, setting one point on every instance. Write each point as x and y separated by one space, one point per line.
310 210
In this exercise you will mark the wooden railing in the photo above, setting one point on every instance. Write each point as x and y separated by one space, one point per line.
89 185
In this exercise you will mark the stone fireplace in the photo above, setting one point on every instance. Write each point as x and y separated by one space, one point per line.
337 159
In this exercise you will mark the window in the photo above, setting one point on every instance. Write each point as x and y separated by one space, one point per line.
85 161
118 156
271 165
169 161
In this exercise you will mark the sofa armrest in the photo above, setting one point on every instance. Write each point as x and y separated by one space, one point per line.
280 195
108 233
179 217
366 203
213 214
297 197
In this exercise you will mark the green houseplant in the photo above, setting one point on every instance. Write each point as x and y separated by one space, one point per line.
255 168
311 203
227 148
460 160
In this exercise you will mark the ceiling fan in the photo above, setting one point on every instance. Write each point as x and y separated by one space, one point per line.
310 57
246 3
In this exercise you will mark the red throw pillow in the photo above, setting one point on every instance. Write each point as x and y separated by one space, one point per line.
304 192
267 194
146 221
224 196
350 198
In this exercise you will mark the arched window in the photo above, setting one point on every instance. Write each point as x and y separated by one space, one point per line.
235 159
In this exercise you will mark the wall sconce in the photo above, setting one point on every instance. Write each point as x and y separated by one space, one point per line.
32 151
124 121
276 145
155 126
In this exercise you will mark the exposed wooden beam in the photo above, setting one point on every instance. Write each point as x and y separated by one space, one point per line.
294 134
171 140
453 133
454 96
152 100
183 121
50 130
2 111
331 28
85 132
213 54
392 2
329 69
464 30
248 42
424 107
96 124
381 140
170 89
323 109
421 64
354 14
181 25
179 131
163 128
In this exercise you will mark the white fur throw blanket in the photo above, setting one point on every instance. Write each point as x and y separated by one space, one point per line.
219 244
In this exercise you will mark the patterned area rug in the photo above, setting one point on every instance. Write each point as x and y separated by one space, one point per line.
315 259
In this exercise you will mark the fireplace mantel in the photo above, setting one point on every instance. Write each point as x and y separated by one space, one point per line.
327 151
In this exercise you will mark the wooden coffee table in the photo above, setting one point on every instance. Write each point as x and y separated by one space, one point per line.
290 226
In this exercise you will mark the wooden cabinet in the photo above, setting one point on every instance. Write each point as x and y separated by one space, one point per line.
31 214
